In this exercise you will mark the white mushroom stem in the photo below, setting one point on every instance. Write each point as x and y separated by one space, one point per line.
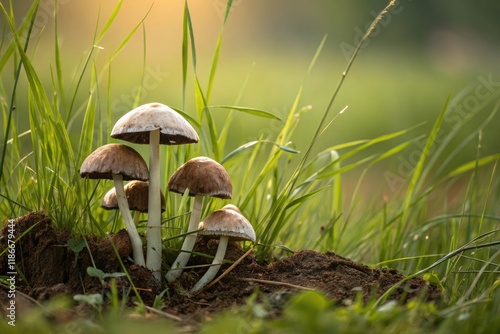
153 236
216 263
189 241
135 239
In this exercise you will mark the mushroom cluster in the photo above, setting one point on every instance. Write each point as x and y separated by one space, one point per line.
155 124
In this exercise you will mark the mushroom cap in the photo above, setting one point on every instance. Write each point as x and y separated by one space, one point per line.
137 197
227 222
203 177
232 207
114 159
135 125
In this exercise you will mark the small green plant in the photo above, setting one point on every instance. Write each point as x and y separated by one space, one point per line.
95 300
94 272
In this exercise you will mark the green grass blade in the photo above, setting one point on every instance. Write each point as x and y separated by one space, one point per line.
443 163
417 176
472 244
227 123
251 111
245 146
320 128
200 98
472 165
129 36
303 198
88 58
185 53
86 63
191 120
87 134
347 145
16 42
57 54
326 173
138 96
393 151
372 142
284 135
26 24
110 20
215 61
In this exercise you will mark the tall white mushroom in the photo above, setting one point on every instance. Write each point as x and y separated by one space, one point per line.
119 162
203 177
229 224
154 124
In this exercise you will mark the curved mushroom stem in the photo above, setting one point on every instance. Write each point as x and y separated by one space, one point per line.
189 241
135 239
153 235
216 263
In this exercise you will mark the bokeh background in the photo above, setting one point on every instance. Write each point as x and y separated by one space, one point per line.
422 53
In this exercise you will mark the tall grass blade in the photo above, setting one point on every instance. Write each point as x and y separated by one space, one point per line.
224 132
87 134
185 53
57 53
110 20
79 80
200 98
417 177
215 61
15 43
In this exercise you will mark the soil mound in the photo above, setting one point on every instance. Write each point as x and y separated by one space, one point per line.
51 268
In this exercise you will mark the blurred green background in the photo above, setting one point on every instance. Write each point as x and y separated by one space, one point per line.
422 53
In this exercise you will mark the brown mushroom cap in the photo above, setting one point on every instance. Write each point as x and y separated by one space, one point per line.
203 177
137 197
227 222
114 159
135 126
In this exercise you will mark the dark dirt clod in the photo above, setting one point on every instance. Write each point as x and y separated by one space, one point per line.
51 269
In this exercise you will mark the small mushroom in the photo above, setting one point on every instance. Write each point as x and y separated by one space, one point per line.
203 177
229 224
136 193
154 124
119 162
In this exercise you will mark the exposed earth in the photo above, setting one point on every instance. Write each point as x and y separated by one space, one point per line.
52 269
